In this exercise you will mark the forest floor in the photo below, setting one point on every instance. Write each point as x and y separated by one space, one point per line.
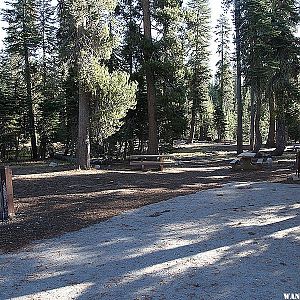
240 241
50 201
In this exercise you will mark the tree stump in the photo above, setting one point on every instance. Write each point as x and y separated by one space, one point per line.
6 194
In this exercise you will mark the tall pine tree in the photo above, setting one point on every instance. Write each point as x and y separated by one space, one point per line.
224 105
23 39
198 35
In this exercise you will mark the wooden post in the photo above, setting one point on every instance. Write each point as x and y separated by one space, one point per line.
298 164
6 194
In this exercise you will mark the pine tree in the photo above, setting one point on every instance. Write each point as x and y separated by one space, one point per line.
255 31
285 64
23 39
93 43
109 94
238 93
13 117
132 60
198 34
48 101
151 97
68 76
223 78
170 71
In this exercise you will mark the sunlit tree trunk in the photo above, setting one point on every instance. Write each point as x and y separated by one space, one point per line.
83 143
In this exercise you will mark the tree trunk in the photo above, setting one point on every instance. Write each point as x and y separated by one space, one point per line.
252 121
83 146
193 124
17 147
280 128
280 137
258 137
153 136
30 104
43 146
271 135
238 78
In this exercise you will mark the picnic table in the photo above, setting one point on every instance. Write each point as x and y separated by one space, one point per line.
246 161
151 161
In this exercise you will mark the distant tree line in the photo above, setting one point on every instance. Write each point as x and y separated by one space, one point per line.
130 76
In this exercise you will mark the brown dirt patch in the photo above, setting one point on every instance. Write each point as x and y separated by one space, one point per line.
52 201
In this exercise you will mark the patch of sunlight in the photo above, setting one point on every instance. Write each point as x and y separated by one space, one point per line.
266 219
204 169
56 174
192 185
251 248
200 230
295 235
73 255
175 267
195 153
244 185
214 177
64 254
45 275
286 232
91 194
161 245
281 170
146 292
175 236
187 168
226 153
72 291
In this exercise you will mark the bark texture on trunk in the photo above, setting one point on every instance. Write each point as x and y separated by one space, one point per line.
193 125
280 137
238 78
83 148
258 137
252 120
271 135
281 130
83 142
30 105
153 133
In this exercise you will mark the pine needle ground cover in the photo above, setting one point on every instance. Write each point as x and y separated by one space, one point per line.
53 200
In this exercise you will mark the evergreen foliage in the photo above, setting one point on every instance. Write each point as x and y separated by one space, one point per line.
224 100
87 66
171 85
198 35
23 39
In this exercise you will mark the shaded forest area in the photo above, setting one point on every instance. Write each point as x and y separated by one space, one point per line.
112 78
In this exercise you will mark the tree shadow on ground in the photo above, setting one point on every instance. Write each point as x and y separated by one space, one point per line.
49 204
239 242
